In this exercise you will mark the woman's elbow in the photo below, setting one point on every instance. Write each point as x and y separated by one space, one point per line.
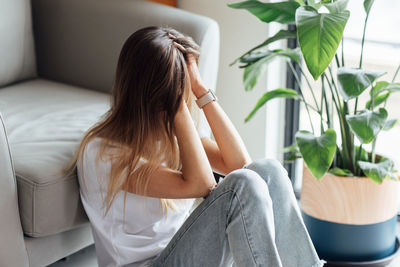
238 164
204 189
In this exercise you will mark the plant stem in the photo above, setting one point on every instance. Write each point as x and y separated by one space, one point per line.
328 117
374 141
373 151
395 74
322 107
309 86
333 95
334 86
347 154
330 122
358 170
301 93
362 53
361 56
342 52
394 78
363 40
350 138
337 60
355 106
313 109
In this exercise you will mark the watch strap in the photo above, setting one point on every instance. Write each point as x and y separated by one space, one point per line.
205 99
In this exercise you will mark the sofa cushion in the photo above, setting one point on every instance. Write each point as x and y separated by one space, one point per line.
16 46
45 122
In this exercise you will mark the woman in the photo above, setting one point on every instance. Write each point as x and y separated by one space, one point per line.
140 166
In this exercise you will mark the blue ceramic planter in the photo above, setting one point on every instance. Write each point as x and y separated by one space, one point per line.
346 242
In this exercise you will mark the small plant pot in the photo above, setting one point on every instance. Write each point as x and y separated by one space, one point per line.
350 218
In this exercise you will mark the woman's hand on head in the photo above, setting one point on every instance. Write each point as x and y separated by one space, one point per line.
198 87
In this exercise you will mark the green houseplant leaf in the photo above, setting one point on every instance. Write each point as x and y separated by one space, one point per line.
253 57
277 93
317 152
341 172
258 65
363 155
282 12
378 171
314 4
382 86
352 82
379 99
282 34
301 2
337 6
367 124
319 35
291 153
390 124
368 5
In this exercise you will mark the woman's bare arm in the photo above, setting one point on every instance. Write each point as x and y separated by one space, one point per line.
229 152
196 178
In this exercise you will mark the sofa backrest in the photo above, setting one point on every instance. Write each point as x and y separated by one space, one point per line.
78 41
17 54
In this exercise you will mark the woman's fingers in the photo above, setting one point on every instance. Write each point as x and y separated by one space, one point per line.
195 77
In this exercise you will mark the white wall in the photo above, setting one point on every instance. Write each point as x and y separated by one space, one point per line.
239 32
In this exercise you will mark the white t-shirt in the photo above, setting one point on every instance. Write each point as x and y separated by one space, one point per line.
147 229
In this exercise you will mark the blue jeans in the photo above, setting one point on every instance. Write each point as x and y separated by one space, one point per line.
250 219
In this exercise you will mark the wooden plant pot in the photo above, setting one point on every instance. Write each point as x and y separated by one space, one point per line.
350 218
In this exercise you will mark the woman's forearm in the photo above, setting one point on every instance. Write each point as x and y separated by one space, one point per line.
230 144
196 168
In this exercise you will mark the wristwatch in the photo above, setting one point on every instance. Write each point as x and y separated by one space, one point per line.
205 99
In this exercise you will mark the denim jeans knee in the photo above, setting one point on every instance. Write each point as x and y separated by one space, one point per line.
272 171
246 181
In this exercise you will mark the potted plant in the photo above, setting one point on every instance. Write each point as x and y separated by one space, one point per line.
349 195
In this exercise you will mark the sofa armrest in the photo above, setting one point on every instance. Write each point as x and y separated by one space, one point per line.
78 41
12 246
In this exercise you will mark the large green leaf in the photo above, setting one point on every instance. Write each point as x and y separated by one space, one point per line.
390 124
258 65
367 124
301 2
317 152
392 87
336 6
379 99
291 153
277 93
314 4
352 82
382 86
319 35
368 5
253 57
378 88
378 171
341 172
363 155
282 34
282 12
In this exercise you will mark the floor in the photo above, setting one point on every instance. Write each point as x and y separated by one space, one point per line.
87 258
83 258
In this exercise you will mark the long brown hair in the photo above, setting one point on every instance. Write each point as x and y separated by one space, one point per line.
150 82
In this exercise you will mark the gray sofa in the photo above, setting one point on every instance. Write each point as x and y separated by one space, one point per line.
57 62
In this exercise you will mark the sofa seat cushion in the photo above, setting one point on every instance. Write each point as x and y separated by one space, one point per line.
45 122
